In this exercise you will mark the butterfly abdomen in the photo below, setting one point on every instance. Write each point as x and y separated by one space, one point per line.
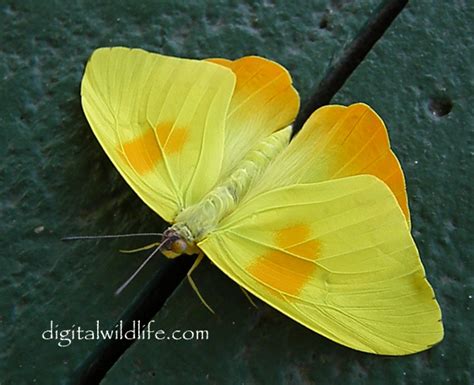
204 216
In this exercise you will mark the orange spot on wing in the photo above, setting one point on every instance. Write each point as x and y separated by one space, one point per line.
171 138
297 240
163 131
292 235
308 249
143 152
283 271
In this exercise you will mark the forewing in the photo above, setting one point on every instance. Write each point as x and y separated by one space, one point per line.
336 142
336 256
161 122
263 102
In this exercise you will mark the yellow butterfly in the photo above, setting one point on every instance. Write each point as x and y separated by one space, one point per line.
319 227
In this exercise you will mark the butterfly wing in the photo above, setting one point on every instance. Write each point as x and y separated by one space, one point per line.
335 142
264 101
161 122
336 256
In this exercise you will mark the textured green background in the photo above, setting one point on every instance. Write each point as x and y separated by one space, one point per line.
55 180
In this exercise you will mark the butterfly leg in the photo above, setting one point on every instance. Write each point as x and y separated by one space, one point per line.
248 297
193 285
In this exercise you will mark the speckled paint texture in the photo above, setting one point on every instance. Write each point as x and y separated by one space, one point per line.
55 180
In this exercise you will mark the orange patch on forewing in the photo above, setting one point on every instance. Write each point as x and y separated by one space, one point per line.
163 131
280 269
172 138
307 250
143 152
291 235
297 240
176 141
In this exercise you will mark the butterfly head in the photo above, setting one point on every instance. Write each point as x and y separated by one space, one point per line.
178 240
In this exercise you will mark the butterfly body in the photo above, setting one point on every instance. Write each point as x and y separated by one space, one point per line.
196 221
318 227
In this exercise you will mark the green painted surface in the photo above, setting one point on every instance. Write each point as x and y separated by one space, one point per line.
56 180
422 64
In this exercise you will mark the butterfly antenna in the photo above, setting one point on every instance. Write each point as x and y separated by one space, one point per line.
125 284
85 237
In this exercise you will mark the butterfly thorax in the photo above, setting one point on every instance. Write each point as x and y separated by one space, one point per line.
195 222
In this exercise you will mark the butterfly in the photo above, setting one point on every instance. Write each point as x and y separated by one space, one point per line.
317 226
